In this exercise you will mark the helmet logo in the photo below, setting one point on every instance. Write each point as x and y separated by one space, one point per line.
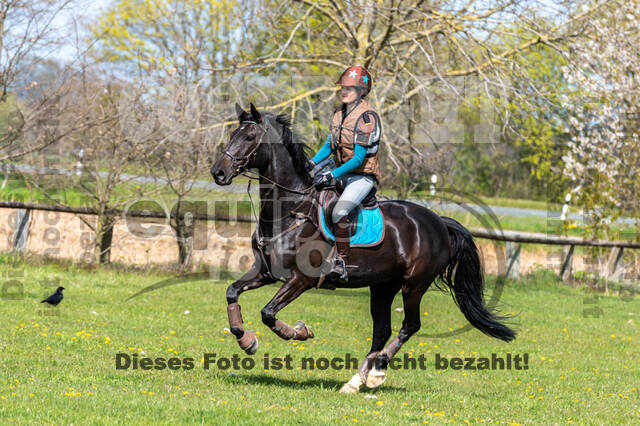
365 78
353 74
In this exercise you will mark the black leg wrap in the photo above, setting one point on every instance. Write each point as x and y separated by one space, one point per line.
238 332
381 362
268 318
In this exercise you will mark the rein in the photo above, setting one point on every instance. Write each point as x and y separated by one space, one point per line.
240 164
260 238
240 167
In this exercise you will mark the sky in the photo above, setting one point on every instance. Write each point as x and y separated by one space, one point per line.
86 10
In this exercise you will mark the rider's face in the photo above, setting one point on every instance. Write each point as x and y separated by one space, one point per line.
349 94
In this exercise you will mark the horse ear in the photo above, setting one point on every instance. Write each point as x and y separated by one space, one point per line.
239 111
256 115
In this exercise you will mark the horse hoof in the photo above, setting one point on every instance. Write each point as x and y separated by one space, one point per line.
347 388
249 342
376 378
251 350
303 331
353 385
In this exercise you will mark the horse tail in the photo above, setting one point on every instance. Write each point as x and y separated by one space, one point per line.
463 276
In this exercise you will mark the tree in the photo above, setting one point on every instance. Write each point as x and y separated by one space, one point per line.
27 35
181 38
603 159
169 46
119 137
420 54
182 155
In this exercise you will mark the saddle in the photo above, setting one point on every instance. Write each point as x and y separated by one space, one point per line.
366 221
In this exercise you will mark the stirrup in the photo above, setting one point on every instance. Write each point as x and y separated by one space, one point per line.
335 274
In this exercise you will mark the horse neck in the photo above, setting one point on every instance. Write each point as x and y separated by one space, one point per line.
276 203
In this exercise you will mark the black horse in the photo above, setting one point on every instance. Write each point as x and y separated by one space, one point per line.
419 246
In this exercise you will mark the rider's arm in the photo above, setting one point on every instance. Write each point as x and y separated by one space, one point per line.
358 156
324 152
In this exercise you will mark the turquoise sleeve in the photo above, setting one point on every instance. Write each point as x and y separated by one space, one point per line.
324 152
358 157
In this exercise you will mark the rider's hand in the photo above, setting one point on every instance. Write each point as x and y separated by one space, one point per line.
322 179
309 165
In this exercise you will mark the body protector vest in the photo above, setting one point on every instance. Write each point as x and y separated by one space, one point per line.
361 126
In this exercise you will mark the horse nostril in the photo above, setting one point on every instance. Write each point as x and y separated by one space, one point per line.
218 175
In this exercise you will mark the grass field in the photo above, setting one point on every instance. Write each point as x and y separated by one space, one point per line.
58 364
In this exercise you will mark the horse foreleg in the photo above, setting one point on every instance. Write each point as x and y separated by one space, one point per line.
249 281
380 305
411 297
290 290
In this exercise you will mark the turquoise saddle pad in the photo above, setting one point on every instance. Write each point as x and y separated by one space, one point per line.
369 229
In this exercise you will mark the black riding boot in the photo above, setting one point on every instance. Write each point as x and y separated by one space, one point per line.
339 270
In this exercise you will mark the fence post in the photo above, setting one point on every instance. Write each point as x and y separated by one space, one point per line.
513 259
614 271
567 262
21 231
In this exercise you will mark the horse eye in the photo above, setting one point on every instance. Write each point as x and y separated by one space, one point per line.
251 137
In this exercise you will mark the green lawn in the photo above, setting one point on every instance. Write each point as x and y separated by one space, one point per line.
58 364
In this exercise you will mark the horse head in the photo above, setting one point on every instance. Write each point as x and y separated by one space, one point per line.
263 141
240 153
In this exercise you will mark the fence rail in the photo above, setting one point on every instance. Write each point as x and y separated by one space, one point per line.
117 212
513 239
538 238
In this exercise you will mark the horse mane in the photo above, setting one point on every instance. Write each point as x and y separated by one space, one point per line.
294 143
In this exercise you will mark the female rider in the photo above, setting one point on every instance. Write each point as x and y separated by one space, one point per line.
354 137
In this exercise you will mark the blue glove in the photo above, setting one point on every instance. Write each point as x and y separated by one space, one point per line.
323 179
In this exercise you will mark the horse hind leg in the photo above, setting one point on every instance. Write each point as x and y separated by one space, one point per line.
411 297
382 296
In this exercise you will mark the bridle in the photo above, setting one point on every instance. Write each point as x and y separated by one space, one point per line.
239 163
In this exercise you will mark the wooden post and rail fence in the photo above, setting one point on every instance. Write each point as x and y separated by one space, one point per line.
513 239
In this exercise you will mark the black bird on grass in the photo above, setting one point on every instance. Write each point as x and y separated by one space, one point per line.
55 298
